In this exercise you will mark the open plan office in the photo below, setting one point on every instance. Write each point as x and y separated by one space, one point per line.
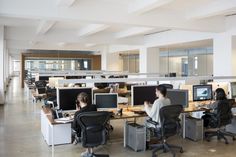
117 78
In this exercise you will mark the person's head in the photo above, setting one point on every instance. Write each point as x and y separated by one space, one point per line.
82 98
220 94
161 91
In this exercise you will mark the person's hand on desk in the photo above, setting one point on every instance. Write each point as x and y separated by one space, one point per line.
147 104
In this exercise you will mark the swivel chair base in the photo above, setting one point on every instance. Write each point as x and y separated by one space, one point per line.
166 148
220 134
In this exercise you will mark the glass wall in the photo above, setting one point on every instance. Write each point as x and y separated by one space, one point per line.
57 64
187 62
131 63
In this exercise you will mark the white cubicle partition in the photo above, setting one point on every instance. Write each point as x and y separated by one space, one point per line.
58 133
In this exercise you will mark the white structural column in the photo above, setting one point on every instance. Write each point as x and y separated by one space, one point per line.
149 60
224 56
6 63
104 57
2 86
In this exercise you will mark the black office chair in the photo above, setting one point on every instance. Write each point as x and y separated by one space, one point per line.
170 126
168 86
93 125
219 120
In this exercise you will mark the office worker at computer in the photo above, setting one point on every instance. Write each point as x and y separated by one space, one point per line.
218 96
152 110
83 105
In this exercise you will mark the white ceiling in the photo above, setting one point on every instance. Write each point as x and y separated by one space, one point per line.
85 24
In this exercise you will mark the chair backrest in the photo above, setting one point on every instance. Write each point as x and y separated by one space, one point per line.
93 126
224 113
168 86
169 118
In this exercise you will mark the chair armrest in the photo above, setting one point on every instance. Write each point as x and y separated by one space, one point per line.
152 122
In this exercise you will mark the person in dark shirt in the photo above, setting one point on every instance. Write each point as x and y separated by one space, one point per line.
83 105
219 96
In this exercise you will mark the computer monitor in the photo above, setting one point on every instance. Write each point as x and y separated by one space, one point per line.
66 97
140 94
233 89
202 92
44 78
190 91
106 100
178 96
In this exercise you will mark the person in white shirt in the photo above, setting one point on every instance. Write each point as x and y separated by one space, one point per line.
152 110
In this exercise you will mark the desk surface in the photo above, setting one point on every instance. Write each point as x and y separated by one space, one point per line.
128 111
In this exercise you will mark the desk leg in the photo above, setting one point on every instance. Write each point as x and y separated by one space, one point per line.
184 124
52 141
125 128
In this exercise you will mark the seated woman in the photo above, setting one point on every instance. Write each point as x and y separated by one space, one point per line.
83 105
218 96
152 110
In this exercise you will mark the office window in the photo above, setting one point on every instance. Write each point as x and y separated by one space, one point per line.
131 63
187 62
196 63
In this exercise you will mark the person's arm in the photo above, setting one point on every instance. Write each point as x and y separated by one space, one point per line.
152 111
213 105
74 124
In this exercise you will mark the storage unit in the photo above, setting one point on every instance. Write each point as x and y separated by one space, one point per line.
135 136
232 127
61 133
194 128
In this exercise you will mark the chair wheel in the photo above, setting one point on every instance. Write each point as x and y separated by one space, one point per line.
154 155
226 142
181 150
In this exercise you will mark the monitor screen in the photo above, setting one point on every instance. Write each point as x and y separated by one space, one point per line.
202 92
178 96
66 97
106 100
44 78
143 93
233 89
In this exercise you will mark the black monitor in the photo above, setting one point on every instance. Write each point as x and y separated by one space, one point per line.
178 96
44 78
106 100
202 92
66 97
139 94
233 89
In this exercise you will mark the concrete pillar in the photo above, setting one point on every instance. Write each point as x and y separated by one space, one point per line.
2 85
22 71
149 60
104 55
223 56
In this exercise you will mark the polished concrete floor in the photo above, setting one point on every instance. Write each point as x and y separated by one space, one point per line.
20 134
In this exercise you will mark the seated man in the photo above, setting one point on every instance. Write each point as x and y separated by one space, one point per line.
153 110
83 105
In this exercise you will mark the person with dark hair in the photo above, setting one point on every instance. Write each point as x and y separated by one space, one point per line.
83 105
219 95
152 110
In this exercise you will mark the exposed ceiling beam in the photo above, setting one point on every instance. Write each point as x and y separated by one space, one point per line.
44 27
143 6
92 29
132 32
215 8
65 3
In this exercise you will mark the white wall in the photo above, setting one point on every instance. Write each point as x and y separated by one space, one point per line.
114 62
2 77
